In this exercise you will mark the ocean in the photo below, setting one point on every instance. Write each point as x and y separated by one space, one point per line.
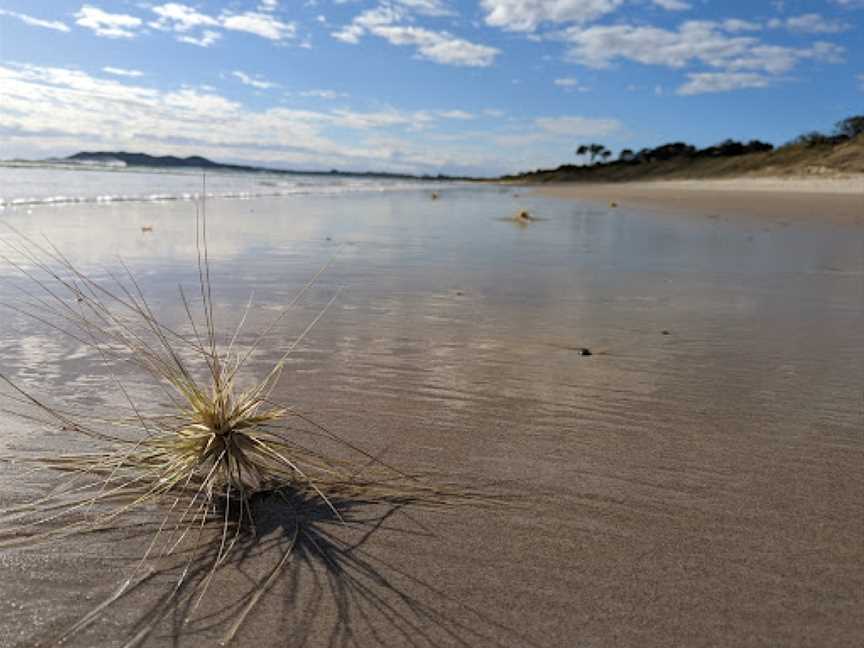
37 184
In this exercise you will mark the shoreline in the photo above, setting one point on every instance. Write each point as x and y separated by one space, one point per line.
837 200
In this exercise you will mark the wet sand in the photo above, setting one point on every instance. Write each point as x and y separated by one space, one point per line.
835 200
694 482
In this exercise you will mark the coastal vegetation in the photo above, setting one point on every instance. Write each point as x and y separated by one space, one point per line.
814 153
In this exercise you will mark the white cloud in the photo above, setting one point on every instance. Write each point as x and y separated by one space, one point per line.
527 15
184 20
106 24
322 94
824 52
579 126
195 101
259 24
367 21
36 22
569 83
704 82
56 110
811 23
439 47
733 25
205 39
599 46
694 42
455 114
426 7
268 5
861 82
116 71
345 118
673 5
181 18
349 34
249 80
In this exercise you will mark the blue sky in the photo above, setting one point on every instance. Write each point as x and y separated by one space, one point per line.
427 86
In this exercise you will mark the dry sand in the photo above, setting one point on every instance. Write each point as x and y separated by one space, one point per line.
834 199
697 488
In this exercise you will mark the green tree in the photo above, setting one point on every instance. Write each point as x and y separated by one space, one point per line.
593 151
850 127
582 150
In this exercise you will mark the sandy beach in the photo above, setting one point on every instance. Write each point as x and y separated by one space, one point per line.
824 199
695 481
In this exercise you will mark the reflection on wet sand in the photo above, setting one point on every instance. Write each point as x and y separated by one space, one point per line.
696 487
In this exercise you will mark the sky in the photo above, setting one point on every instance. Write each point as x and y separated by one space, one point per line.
476 87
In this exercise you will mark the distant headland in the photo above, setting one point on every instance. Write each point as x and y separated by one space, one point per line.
126 159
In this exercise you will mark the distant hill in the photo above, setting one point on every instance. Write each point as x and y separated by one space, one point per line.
161 161
197 162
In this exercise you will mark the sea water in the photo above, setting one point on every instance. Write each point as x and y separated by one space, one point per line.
35 184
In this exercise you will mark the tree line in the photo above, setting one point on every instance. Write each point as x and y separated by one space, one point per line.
595 153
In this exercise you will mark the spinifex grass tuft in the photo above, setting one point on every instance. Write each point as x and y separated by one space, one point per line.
197 463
